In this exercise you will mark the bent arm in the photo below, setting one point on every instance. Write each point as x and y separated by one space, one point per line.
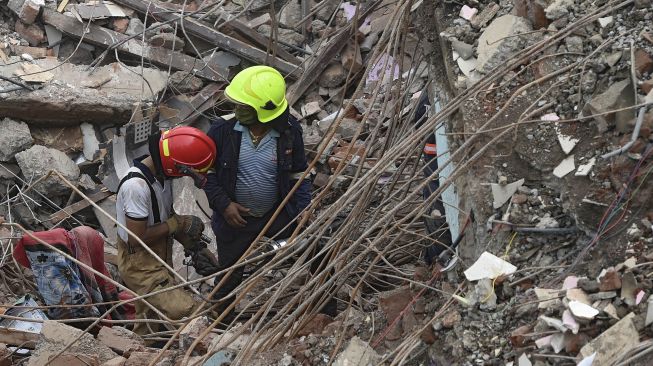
150 235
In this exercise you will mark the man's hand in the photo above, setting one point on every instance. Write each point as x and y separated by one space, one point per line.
232 214
190 226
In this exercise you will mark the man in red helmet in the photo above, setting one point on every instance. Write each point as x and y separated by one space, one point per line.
144 206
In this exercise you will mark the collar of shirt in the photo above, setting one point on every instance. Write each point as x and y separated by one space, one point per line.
241 128
144 169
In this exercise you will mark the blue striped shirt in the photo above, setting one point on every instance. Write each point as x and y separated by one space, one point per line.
256 181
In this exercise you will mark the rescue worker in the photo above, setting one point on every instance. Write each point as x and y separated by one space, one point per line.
60 281
435 220
260 157
144 206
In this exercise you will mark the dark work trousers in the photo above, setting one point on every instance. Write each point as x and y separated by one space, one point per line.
436 228
233 242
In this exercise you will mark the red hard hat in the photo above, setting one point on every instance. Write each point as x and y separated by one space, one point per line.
186 146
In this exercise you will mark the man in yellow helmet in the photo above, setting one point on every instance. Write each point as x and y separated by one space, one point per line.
260 157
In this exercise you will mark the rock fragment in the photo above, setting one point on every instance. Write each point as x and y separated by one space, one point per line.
14 138
500 41
38 160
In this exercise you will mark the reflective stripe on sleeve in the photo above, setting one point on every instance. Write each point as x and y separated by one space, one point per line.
430 149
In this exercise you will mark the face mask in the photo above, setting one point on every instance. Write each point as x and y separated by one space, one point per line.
246 116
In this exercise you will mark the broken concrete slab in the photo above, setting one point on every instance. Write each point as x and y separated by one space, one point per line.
618 339
489 266
54 336
134 47
119 339
38 160
65 101
553 323
15 137
565 167
618 95
481 19
502 193
65 139
358 352
192 332
500 41
582 311
569 322
547 298
584 169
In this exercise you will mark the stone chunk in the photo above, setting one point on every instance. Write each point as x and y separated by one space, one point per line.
358 352
481 19
54 336
582 311
15 137
119 339
450 319
618 95
192 331
73 359
168 40
184 82
499 42
617 340
333 76
135 27
351 58
38 160
558 9
316 325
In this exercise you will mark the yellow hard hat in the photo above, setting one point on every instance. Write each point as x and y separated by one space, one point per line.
262 88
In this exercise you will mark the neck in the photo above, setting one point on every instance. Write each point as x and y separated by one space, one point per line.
149 163
258 128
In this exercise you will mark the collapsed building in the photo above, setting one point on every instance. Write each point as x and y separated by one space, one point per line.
542 120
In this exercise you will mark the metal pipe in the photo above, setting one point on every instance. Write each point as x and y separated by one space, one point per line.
633 138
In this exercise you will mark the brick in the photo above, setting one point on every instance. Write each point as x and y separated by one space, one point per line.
351 58
643 62
32 33
27 10
610 281
35 52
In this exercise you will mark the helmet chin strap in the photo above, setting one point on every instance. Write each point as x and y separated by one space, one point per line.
198 179
153 147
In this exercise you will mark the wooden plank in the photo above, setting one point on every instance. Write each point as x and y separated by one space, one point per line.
213 36
15 337
236 28
78 206
314 70
157 55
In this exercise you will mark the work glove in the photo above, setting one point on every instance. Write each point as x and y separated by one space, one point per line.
189 225
204 262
